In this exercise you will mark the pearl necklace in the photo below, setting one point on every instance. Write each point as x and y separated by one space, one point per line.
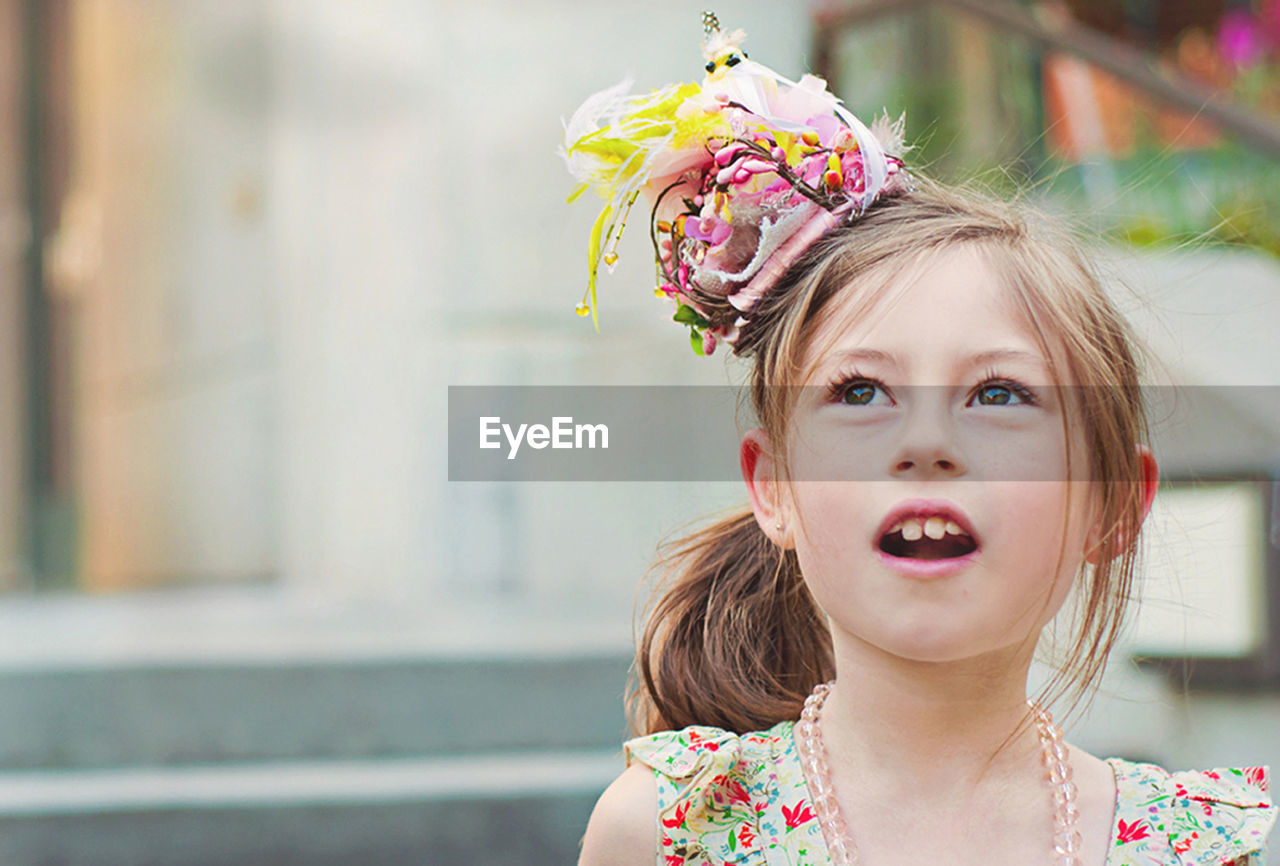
835 832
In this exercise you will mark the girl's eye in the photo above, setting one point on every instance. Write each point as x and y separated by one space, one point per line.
1002 392
859 395
864 391
857 391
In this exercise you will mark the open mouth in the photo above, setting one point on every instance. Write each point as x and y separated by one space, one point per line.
927 538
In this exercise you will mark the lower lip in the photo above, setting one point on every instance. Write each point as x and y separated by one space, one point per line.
927 568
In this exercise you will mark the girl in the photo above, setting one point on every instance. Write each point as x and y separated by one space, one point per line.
838 673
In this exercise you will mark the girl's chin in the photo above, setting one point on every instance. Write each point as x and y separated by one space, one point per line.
924 642
937 652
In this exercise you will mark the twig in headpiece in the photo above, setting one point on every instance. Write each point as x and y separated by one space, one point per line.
710 23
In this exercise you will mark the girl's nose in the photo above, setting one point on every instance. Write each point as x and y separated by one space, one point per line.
927 445
942 465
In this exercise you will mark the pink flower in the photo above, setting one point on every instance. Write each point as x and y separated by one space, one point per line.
1256 776
826 125
672 823
797 816
1241 42
1132 832
808 98
738 794
715 231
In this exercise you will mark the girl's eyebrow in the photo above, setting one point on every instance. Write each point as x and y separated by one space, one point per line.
867 355
1009 355
986 356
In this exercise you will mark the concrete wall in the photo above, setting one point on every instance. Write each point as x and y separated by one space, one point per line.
13 235
164 251
291 226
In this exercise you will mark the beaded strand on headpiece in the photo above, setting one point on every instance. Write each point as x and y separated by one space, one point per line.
743 171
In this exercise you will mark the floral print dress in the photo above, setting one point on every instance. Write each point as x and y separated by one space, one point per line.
725 798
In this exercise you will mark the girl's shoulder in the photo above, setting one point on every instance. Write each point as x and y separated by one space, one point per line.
725 797
1216 816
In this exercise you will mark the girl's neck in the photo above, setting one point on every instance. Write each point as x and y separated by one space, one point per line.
913 729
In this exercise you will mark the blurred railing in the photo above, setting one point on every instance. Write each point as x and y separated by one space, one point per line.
1123 140
1050 30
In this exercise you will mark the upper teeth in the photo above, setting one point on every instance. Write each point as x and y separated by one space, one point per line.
935 527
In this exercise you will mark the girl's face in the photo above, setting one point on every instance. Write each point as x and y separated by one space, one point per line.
934 414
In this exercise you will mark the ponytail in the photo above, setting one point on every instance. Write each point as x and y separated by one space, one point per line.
735 640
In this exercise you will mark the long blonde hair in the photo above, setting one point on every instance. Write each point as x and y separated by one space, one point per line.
733 638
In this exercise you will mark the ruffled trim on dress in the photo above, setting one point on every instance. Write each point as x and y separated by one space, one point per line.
719 793
1193 817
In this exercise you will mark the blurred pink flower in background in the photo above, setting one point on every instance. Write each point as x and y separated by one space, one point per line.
1242 42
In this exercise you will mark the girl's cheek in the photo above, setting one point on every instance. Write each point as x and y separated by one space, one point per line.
832 514
999 456
833 543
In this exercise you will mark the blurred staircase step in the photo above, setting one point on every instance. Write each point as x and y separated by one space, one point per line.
517 808
210 711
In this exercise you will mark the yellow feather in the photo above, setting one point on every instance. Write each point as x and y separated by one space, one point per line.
593 258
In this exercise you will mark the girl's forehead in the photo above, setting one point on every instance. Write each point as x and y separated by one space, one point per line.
943 305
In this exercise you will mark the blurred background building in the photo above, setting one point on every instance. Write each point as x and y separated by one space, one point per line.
246 247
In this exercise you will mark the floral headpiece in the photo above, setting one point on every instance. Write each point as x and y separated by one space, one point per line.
744 172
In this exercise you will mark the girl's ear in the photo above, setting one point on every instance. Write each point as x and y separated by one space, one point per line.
756 459
1150 482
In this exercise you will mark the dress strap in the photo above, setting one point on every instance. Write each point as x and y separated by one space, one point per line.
725 798
1215 817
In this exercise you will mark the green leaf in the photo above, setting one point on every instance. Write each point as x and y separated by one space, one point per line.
695 340
733 841
687 315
